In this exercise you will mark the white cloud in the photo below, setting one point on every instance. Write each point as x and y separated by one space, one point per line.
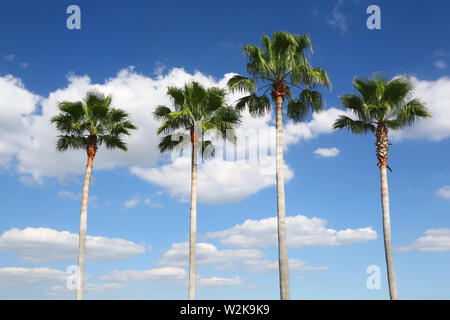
131 203
27 134
338 19
92 199
31 137
236 172
294 265
439 53
436 95
15 104
301 232
247 168
90 288
157 274
135 200
444 192
9 57
63 194
175 274
14 277
432 240
440 64
321 123
218 181
214 282
37 245
327 152
206 253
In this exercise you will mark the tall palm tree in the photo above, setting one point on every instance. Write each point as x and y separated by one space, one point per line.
195 111
87 125
382 105
281 64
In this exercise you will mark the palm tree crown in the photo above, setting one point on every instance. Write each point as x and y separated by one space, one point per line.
91 123
195 111
281 64
381 105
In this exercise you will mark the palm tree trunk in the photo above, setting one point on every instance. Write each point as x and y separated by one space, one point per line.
387 233
83 227
193 221
281 214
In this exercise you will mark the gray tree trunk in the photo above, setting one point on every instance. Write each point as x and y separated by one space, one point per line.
281 211
387 233
193 221
83 227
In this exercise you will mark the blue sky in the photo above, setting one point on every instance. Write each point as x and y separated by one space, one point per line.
138 217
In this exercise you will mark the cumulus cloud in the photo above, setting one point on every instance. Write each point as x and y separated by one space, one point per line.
236 171
443 192
16 103
218 181
266 265
37 245
321 123
214 282
206 253
90 288
157 274
432 240
30 137
27 134
240 171
14 277
440 64
436 95
175 274
327 152
131 92
301 232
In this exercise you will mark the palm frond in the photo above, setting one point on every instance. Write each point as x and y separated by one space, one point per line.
112 142
66 142
355 104
257 106
173 142
161 112
355 126
241 84
397 90
409 113
297 110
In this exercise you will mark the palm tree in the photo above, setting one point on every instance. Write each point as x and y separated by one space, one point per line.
196 110
87 125
382 105
281 64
